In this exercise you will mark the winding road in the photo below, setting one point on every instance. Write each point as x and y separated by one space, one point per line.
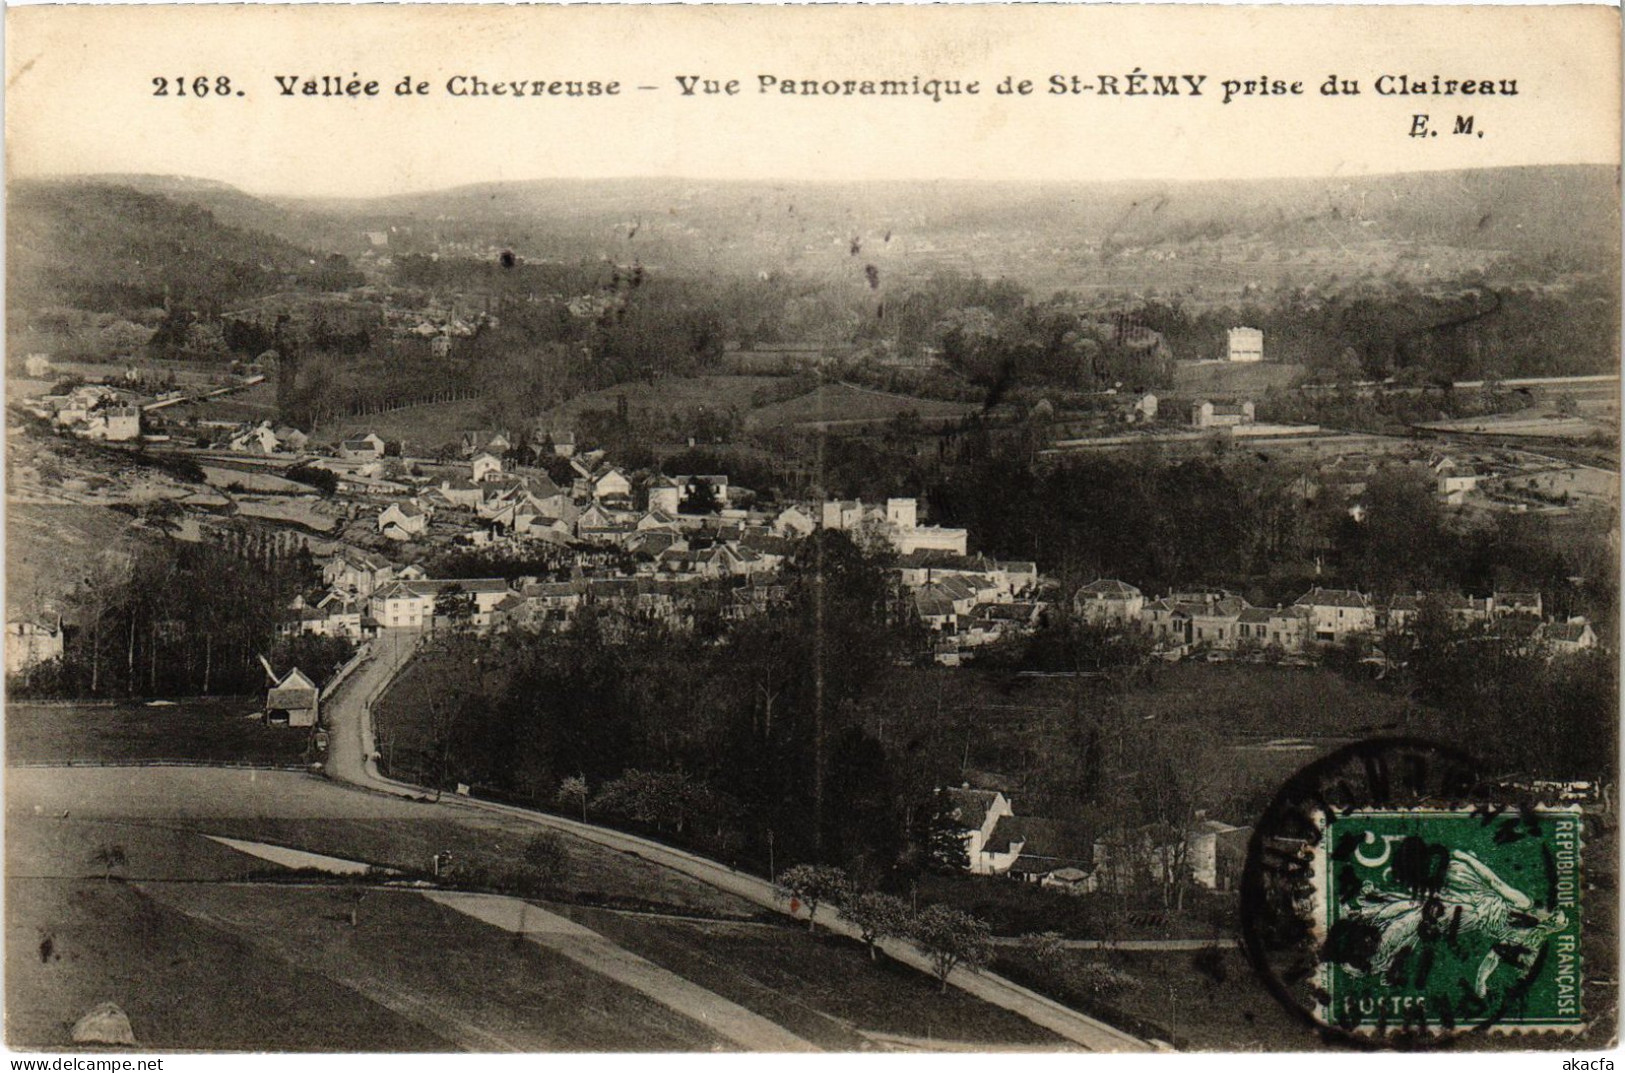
351 758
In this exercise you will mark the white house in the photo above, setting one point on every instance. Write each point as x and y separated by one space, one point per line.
1336 613
30 643
258 439
485 467
115 424
1108 601
368 448
402 521
665 495
793 522
1208 414
611 484
977 813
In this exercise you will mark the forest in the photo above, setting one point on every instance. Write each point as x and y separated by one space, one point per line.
174 618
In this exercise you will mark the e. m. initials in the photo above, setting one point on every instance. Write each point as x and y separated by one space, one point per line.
1464 125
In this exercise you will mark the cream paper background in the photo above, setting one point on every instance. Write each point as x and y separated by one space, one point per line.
80 92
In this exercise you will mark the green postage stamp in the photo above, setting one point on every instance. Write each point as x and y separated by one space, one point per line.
1441 921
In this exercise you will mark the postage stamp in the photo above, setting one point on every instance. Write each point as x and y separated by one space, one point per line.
1435 920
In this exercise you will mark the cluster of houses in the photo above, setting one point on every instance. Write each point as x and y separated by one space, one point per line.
654 562
1223 621
92 412
1076 859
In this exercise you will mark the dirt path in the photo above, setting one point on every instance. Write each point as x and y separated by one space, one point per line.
350 759
586 947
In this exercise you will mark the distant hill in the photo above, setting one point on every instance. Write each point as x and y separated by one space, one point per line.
1046 236
106 247
1197 237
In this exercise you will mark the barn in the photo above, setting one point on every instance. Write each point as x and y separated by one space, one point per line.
292 700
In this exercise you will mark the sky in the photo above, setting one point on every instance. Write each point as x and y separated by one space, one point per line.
82 96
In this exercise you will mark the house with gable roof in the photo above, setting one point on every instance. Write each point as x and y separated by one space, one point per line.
1568 638
358 572
367 448
976 813
292 699
1109 601
1337 613
403 520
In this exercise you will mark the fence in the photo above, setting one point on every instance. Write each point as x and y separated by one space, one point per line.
244 765
343 672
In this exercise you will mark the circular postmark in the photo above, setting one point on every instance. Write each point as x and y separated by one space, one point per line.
1389 900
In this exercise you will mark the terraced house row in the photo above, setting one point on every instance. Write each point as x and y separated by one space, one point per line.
1222 620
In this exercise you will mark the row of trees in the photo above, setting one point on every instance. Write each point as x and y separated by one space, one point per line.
950 938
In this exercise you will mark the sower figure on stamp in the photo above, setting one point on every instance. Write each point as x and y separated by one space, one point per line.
1470 903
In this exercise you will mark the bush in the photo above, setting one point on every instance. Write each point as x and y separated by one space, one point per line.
323 480
546 862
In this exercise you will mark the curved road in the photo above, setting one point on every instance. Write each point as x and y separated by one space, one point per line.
350 758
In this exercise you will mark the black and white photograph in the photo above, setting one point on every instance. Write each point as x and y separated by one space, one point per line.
913 530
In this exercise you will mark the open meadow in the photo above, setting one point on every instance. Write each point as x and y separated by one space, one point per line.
208 730
366 964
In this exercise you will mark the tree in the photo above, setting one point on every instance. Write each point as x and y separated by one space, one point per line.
945 837
952 938
163 516
701 499
454 603
877 916
109 857
812 885
574 789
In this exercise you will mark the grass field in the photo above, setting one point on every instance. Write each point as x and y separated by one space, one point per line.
823 988
465 982
212 729
251 481
256 404
73 944
1225 379
201 960
421 428
834 404
668 394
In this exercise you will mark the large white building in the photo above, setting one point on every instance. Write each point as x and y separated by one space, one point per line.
1246 344
899 524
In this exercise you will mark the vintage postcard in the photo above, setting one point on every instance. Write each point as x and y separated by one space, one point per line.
898 529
